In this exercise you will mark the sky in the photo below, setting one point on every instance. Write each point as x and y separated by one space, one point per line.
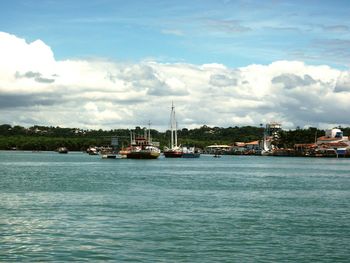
118 64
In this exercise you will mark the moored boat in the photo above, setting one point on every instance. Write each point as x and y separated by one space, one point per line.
174 151
191 152
142 147
62 150
147 152
92 150
124 152
108 153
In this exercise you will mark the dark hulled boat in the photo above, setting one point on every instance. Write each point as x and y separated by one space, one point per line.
173 153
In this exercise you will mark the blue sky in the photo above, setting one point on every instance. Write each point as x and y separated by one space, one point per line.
110 63
234 33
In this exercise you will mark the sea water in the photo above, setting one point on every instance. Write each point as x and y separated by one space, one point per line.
66 207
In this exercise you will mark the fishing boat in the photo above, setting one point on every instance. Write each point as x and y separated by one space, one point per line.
142 146
174 151
190 152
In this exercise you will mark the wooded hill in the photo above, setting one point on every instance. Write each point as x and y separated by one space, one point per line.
50 138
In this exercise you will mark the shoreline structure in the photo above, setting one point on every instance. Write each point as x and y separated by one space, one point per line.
272 141
332 144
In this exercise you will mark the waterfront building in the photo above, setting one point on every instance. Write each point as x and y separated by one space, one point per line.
213 149
254 145
334 140
246 148
333 136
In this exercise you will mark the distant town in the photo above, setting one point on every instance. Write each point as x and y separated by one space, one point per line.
269 139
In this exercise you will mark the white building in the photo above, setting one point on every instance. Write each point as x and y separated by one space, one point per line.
333 137
211 149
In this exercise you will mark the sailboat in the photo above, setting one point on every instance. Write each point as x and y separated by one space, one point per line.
174 151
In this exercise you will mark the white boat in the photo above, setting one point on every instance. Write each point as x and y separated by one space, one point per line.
190 152
62 150
108 156
92 150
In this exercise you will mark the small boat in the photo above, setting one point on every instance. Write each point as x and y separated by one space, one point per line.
92 150
191 152
108 153
174 151
62 150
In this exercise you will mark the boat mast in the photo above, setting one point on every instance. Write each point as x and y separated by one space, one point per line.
172 126
149 131
175 130
130 137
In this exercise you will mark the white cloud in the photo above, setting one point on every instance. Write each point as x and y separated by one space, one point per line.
343 83
37 89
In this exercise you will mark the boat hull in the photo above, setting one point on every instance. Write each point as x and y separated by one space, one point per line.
62 150
108 156
173 154
142 155
191 155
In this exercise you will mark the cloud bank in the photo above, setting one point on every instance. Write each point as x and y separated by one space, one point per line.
35 88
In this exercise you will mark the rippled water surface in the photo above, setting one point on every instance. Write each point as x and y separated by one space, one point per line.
56 207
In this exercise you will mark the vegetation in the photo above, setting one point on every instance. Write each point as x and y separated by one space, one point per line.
50 138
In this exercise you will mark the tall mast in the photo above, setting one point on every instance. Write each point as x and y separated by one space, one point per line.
172 126
149 131
130 137
175 131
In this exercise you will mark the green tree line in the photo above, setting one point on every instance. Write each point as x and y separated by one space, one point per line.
50 138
